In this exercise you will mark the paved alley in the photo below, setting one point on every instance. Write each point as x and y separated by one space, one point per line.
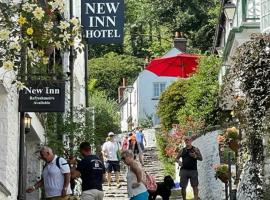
152 165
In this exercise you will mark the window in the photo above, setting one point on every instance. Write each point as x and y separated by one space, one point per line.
159 88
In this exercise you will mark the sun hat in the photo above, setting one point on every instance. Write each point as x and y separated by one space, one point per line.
111 134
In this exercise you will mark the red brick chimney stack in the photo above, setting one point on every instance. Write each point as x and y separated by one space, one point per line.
180 42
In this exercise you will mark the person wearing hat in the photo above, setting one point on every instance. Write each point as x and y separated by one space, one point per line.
110 150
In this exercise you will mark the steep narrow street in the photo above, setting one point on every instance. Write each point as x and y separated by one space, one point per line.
152 165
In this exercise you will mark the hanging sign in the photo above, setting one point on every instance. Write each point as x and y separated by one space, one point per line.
103 21
42 96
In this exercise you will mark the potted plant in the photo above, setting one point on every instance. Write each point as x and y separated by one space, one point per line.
222 172
232 138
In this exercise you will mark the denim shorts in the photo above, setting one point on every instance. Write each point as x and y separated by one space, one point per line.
142 196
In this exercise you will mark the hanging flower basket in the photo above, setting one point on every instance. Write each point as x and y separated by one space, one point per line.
224 177
222 172
234 145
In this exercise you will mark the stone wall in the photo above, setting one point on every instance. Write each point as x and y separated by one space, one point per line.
210 188
9 143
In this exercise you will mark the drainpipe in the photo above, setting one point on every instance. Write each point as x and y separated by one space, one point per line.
71 69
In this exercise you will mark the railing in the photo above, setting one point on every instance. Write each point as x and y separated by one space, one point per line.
247 11
265 15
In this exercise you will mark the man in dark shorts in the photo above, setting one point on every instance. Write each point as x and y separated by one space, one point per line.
92 172
109 151
188 171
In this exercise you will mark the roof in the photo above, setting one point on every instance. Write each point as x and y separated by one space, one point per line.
172 52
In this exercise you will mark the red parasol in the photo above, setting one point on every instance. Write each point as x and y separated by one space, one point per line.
181 65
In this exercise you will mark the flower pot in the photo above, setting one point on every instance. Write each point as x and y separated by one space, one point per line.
234 145
224 177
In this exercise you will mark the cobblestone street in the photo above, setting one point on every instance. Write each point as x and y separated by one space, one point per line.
152 165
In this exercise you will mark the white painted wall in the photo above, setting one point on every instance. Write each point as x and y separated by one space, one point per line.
209 187
146 101
143 102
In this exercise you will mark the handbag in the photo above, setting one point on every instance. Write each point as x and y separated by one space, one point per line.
149 182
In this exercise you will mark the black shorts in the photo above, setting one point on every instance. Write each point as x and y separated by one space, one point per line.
113 166
186 175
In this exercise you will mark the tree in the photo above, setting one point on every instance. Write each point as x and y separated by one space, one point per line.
109 70
201 93
150 26
171 100
107 116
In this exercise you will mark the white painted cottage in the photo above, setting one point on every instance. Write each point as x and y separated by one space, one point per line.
138 102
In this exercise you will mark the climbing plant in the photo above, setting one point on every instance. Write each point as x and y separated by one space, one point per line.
251 69
32 30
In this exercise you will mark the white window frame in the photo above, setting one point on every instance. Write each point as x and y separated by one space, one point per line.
160 89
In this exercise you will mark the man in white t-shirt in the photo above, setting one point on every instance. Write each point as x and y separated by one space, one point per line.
109 151
55 176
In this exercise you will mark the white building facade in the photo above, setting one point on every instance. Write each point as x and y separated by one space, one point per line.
140 105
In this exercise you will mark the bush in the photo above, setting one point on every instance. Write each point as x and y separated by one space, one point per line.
171 100
201 93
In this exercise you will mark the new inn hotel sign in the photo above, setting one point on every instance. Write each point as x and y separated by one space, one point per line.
103 21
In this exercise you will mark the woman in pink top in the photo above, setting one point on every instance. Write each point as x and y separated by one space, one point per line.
125 143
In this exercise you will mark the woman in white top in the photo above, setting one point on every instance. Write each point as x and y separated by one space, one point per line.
135 187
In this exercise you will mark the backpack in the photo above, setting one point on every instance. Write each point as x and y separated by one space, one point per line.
57 162
149 182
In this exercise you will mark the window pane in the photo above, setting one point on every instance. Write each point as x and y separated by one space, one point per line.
156 89
162 87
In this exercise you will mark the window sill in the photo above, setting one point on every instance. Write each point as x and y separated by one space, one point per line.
155 98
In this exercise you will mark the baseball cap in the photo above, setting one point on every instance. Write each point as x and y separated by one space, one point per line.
111 134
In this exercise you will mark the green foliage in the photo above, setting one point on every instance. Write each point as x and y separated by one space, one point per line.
109 70
78 129
150 26
107 116
147 122
53 130
170 102
201 93
167 162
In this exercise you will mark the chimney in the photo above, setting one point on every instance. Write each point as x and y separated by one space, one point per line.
124 82
121 90
180 42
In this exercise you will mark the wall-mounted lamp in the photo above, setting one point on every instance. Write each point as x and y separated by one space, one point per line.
27 122
229 10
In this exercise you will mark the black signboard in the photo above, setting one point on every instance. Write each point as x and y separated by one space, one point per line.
103 21
43 96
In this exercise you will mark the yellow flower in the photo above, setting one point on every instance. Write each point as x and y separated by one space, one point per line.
14 45
8 65
45 60
57 45
20 85
74 21
38 13
41 53
22 20
71 43
30 31
4 34
63 25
